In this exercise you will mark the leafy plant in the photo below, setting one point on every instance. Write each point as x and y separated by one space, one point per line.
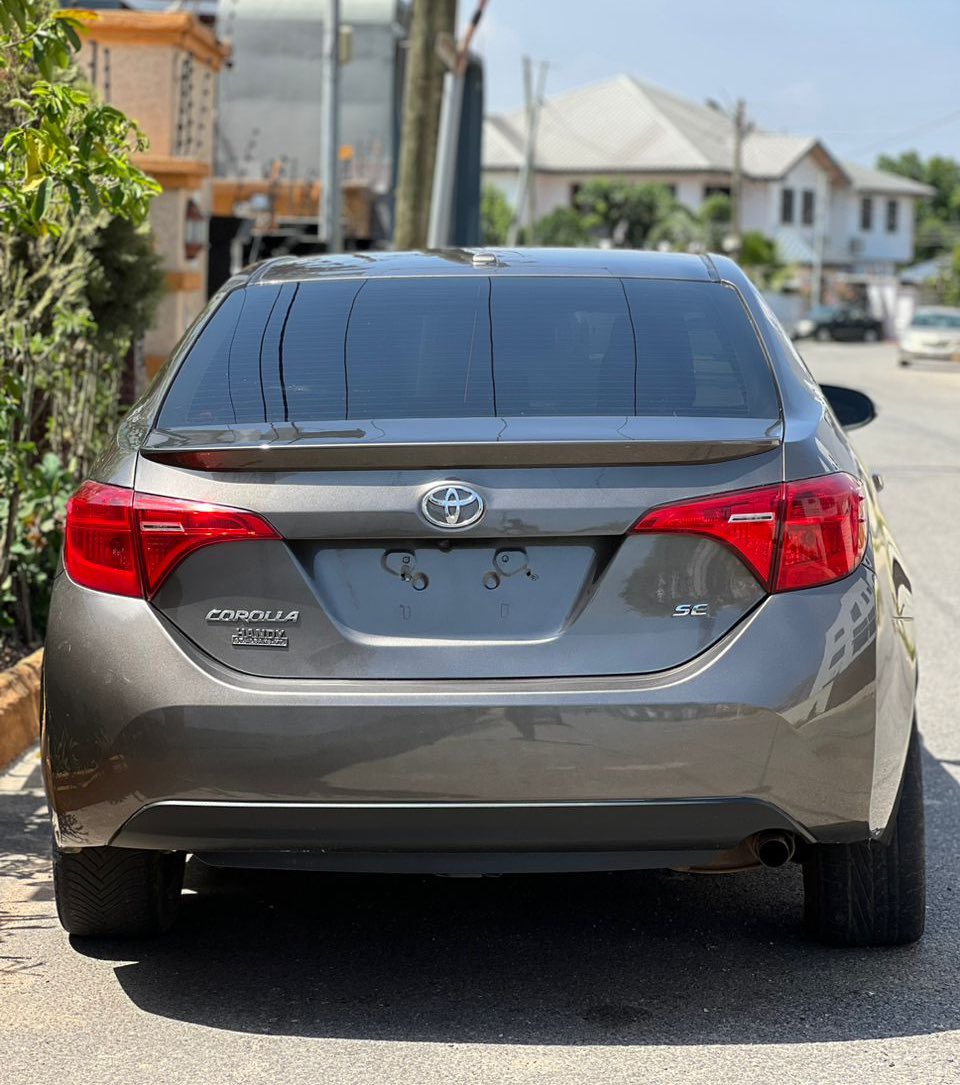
562 228
77 286
495 216
623 212
65 150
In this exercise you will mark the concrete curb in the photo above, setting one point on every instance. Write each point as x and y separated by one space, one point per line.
20 707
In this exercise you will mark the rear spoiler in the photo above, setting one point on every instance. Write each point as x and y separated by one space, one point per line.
692 440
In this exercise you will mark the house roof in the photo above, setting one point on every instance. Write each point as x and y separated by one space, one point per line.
621 125
866 179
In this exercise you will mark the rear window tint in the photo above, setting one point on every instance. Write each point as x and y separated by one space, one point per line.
697 352
414 351
473 346
562 347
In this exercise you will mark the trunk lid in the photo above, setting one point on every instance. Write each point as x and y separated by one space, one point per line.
549 582
454 462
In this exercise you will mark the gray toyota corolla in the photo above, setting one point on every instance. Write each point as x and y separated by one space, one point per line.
484 562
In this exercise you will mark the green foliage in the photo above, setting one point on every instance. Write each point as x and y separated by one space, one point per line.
640 216
938 218
680 229
946 287
623 212
37 540
126 282
65 150
496 216
757 250
761 260
77 285
562 228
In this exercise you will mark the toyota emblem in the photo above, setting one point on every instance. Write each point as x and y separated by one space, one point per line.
452 506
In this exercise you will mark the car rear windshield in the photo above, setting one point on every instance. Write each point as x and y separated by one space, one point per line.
472 346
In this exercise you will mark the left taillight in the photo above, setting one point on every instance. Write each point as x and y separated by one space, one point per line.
127 543
99 549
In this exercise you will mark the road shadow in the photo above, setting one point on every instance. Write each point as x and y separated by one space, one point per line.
653 958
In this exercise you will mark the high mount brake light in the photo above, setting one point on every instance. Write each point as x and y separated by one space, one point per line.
791 535
126 543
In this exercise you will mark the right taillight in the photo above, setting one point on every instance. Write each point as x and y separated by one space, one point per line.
824 532
790 535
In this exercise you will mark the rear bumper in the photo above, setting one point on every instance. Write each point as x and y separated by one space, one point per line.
928 355
149 743
454 837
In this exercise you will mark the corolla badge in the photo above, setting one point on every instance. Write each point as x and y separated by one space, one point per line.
452 506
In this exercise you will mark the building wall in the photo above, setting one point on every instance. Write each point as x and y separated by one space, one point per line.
877 249
161 70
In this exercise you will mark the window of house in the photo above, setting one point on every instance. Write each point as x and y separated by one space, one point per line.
574 193
715 190
786 205
866 213
807 207
892 207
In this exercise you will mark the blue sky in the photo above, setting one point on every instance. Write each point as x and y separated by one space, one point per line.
867 76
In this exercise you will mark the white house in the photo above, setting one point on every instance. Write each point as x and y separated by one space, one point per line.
623 128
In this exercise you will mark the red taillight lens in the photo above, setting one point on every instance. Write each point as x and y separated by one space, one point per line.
126 543
170 529
791 535
747 522
824 531
99 549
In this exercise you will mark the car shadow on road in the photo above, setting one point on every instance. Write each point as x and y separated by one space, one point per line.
652 958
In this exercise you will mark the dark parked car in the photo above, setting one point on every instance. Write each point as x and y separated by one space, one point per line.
842 323
483 563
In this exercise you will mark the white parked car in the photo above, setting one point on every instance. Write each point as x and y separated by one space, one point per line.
933 335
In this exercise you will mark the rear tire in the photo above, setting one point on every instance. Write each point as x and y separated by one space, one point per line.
872 893
822 335
870 335
117 892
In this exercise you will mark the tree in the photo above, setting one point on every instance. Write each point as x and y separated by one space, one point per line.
66 174
62 149
562 228
946 286
624 212
938 217
495 216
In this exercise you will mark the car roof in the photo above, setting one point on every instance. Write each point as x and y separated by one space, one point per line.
493 261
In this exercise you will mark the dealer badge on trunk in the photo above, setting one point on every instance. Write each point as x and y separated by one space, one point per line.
256 635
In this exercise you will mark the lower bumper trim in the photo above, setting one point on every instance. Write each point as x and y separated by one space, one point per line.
421 828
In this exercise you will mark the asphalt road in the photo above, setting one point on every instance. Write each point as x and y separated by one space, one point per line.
628 978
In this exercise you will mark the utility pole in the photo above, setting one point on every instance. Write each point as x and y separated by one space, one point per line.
527 191
741 129
329 227
448 140
422 92
819 237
